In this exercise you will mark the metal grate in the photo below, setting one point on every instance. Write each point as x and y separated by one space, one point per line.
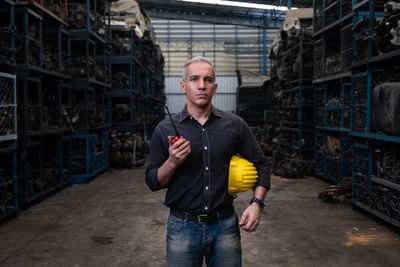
360 189
333 118
333 14
347 6
8 106
359 119
387 164
386 201
360 90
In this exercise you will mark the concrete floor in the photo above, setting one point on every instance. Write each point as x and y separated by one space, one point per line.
115 220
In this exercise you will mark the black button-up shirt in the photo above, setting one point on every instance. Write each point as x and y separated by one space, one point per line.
200 184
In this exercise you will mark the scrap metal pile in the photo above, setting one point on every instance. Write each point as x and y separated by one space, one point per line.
297 60
5 44
337 193
387 164
6 192
127 149
386 35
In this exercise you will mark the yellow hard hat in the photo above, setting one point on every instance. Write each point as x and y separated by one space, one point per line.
242 175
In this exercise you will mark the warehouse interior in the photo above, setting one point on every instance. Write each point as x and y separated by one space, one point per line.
84 83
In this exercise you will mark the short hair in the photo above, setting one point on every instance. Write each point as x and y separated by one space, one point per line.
193 60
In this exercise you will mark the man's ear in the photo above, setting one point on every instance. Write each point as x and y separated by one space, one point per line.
215 87
182 86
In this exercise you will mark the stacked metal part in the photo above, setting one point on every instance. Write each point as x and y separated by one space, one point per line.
44 104
8 147
89 26
357 99
292 53
332 89
137 93
375 105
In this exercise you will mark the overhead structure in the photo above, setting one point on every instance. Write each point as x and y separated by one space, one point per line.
209 13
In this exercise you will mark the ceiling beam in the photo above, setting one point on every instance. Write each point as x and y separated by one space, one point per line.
270 19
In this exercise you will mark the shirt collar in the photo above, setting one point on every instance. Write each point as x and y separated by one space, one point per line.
184 114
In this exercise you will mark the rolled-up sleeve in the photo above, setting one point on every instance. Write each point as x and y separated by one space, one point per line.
157 156
250 150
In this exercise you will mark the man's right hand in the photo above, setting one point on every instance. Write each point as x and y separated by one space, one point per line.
178 151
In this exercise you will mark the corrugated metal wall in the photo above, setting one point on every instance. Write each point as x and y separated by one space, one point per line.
224 99
229 47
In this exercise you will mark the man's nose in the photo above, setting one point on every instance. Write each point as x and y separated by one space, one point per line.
202 84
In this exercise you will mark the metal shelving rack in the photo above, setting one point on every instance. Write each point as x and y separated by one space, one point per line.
8 146
297 118
332 88
89 156
91 86
125 69
7 56
376 188
9 204
44 98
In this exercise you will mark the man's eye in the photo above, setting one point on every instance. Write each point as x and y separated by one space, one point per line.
193 78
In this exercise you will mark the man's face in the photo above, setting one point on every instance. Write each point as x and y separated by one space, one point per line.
199 86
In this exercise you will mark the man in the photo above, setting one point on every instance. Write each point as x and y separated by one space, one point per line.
202 220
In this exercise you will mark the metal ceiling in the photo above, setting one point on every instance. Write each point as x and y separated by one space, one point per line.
208 13
295 3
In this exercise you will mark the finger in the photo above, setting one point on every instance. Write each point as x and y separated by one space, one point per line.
243 219
170 140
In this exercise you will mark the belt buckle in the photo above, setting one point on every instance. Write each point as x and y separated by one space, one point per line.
202 218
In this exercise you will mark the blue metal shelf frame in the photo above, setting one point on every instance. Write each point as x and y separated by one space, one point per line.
83 150
24 18
325 115
61 41
369 9
64 152
7 9
304 75
90 29
9 186
321 9
29 107
293 138
39 6
300 93
125 99
131 68
135 43
361 99
332 167
33 151
366 185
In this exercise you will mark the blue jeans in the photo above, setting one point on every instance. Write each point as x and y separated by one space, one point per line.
188 242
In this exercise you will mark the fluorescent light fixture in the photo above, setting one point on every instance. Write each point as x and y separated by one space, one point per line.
239 4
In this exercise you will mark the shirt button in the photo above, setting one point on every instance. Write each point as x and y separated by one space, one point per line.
206 187
191 117
206 168
205 148
203 129
206 208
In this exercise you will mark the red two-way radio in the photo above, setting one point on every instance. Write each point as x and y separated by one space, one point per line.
178 136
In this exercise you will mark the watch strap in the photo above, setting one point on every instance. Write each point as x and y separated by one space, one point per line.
258 201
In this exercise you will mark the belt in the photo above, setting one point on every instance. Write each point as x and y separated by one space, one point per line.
204 218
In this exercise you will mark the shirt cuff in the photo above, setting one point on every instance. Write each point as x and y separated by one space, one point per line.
152 180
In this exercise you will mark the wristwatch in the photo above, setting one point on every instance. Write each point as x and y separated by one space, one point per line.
259 202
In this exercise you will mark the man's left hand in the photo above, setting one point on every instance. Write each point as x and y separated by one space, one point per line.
250 218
